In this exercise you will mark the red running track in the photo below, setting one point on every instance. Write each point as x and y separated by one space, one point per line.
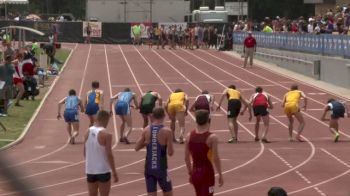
316 167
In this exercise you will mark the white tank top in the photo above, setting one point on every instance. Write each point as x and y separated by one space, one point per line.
96 158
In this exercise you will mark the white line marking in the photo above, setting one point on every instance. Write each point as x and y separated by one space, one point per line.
312 153
70 181
279 84
52 162
297 172
320 183
26 129
316 109
336 158
57 169
262 147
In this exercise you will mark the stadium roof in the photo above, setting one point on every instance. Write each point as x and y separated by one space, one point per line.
14 2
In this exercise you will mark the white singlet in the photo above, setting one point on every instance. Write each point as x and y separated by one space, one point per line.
96 158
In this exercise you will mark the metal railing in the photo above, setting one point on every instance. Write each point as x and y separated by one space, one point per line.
325 44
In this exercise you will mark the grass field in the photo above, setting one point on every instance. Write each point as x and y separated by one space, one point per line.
19 117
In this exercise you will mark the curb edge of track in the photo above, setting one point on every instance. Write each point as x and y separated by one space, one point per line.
37 110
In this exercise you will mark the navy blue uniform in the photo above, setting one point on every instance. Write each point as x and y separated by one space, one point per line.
337 109
156 164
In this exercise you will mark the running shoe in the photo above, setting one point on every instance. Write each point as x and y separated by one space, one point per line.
181 140
232 140
336 137
265 141
126 140
257 139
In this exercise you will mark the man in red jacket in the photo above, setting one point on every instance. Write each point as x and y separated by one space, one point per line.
249 49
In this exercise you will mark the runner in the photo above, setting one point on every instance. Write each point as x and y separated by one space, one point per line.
204 101
202 147
99 157
147 103
122 109
337 109
158 141
291 108
94 101
71 114
260 103
234 105
177 107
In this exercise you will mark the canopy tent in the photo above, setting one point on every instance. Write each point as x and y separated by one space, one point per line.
5 2
14 1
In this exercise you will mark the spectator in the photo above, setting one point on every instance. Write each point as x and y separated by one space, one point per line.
267 29
18 77
6 78
8 51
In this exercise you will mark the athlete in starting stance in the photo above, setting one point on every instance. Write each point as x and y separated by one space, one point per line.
338 110
71 114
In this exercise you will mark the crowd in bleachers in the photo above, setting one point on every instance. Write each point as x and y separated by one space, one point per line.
334 21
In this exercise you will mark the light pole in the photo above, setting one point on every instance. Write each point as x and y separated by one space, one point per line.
151 10
124 3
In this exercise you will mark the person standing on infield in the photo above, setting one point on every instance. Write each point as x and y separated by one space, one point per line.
249 47
291 109
147 103
338 110
260 102
99 156
71 114
202 147
234 104
158 141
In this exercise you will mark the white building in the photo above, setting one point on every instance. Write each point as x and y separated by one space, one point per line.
138 10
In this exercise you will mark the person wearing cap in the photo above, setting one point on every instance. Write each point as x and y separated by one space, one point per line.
249 49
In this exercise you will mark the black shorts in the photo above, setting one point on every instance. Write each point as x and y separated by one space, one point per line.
92 178
337 114
260 110
234 107
146 109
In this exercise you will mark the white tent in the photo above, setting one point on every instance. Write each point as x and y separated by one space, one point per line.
14 1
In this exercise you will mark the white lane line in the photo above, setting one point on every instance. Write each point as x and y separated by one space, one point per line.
52 162
296 171
26 129
111 94
279 84
262 147
282 159
315 109
335 157
72 165
312 153
71 181
320 183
